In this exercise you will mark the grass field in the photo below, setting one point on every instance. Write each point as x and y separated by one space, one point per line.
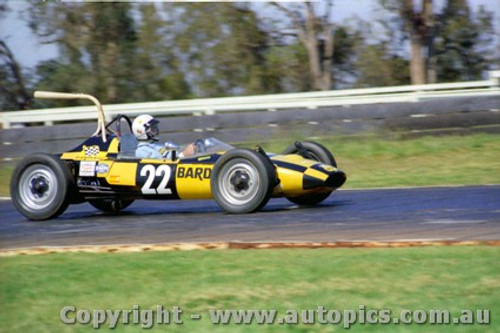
377 162
5 174
34 289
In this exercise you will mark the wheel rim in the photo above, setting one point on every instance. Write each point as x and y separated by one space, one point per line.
240 183
37 187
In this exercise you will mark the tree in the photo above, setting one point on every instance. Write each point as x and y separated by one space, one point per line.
444 46
464 42
312 31
288 68
222 47
417 23
158 68
112 49
378 67
349 44
104 51
379 57
13 92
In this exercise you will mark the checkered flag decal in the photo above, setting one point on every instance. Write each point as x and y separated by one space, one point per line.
91 151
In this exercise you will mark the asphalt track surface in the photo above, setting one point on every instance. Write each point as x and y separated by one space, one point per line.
468 213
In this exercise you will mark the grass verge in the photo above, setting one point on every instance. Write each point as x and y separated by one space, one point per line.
34 289
5 173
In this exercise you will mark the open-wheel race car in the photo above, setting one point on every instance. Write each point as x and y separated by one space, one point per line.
104 171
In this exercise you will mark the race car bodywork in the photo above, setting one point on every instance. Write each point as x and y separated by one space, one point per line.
104 171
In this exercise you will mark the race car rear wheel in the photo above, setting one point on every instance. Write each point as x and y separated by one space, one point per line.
242 181
111 205
318 152
41 187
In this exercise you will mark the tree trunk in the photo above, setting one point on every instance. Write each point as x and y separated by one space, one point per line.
417 62
429 21
308 27
416 23
311 44
327 61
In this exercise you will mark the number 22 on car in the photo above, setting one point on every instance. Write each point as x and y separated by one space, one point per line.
184 181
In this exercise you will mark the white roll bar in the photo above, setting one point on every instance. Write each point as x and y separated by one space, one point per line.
101 116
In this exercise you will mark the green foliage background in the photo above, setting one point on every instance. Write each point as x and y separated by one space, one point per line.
130 52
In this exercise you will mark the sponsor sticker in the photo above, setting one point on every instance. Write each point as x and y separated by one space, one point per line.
91 151
194 173
87 169
102 169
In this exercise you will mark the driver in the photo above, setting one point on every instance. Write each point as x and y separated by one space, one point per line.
145 129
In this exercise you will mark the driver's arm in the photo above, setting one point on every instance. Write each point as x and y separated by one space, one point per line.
190 150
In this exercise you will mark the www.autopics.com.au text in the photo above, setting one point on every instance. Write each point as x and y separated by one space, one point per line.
147 318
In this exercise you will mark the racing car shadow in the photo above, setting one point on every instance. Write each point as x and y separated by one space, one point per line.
140 208
288 206
85 212
209 207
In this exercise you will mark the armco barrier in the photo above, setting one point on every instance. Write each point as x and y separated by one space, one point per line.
307 100
434 116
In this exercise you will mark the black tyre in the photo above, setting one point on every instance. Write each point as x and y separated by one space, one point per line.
111 205
318 152
242 181
41 187
312 150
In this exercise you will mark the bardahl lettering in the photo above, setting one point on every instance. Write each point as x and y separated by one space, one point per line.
194 172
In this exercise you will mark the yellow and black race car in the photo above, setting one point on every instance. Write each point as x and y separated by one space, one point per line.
104 171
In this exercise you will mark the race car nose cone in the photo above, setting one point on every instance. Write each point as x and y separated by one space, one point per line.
336 179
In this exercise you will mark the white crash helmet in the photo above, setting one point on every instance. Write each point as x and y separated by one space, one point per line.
145 127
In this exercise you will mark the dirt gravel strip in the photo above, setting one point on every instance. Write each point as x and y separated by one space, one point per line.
233 245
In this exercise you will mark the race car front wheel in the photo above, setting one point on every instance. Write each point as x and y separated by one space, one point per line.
242 181
312 150
318 152
41 187
111 205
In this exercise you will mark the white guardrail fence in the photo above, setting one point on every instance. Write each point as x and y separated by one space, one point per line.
307 100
